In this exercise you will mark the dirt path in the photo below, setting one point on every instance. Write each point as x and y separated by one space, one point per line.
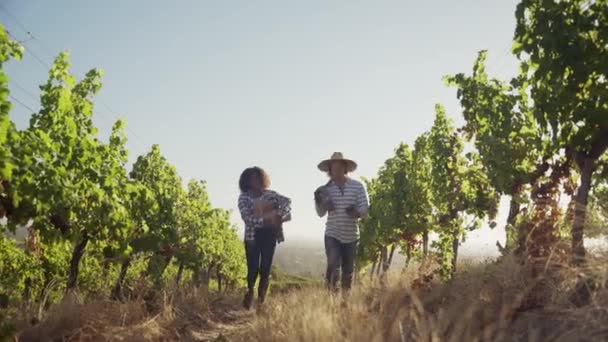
228 330
233 323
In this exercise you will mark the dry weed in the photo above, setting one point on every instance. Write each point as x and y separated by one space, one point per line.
499 301
182 315
492 301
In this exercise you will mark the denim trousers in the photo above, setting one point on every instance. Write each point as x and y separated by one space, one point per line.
339 255
259 259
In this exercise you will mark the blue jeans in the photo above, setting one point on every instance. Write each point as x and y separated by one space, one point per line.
339 255
259 255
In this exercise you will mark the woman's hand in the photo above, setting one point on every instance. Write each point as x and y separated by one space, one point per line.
272 218
262 207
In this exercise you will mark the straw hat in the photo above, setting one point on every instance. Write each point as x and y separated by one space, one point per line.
350 165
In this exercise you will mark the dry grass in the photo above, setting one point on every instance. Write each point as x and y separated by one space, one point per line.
488 302
485 302
183 315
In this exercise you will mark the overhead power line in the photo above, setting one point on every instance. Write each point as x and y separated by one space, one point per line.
47 66
21 103
20 87
23 28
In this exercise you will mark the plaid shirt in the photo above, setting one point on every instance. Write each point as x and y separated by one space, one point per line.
252 222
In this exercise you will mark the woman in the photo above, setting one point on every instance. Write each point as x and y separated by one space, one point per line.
263 212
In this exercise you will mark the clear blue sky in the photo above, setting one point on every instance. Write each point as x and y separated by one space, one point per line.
224 85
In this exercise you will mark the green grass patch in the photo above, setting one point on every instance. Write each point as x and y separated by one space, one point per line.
282 281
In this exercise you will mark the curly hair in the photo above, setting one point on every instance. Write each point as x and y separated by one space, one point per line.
245 179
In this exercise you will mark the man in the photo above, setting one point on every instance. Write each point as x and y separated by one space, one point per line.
344 200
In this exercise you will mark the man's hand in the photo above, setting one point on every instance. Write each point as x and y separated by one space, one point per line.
329 205
353 213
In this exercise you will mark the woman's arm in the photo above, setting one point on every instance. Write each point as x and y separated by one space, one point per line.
283 208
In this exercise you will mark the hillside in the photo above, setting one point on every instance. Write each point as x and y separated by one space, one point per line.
308 258
304 259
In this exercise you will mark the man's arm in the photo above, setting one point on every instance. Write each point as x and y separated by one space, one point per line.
321 210
362 202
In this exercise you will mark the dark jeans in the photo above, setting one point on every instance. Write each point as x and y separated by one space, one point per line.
339 255
259 259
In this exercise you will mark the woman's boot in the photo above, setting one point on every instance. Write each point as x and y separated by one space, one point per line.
248 300
262 290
